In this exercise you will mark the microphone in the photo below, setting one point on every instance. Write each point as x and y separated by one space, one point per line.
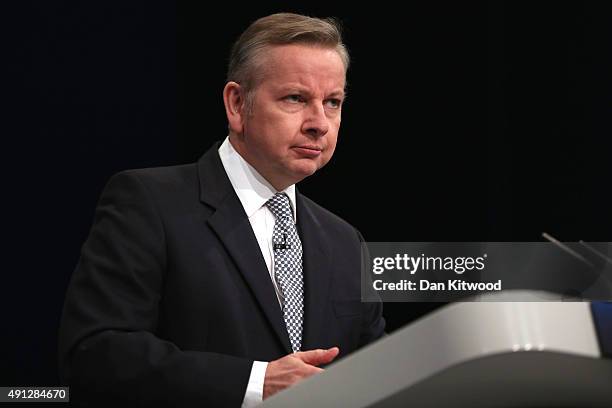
282 245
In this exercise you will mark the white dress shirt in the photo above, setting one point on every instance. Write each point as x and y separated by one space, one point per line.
253 192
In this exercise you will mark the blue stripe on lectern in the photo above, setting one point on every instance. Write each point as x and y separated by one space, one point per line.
602 317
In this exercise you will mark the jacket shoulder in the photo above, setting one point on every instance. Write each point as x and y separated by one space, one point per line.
162 176
168 186
329 219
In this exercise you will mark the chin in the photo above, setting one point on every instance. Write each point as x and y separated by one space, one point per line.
303 172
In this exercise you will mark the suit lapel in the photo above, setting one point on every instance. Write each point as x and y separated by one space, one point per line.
232 226
317 274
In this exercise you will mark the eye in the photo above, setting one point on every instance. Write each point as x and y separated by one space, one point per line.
333 103
294 98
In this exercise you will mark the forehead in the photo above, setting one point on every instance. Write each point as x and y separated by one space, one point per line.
317 68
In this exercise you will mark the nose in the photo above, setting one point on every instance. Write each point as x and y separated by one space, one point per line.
315 123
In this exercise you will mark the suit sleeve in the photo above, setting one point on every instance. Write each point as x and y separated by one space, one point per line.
373 322
108 349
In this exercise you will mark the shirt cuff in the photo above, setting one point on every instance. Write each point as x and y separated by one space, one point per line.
254 392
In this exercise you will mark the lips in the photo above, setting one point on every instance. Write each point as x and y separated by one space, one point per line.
308 150
310 147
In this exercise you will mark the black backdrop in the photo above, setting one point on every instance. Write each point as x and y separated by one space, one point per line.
464 122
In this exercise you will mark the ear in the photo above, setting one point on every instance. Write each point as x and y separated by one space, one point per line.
233 98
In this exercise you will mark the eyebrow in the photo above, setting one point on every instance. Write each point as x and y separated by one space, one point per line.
338 94
303 89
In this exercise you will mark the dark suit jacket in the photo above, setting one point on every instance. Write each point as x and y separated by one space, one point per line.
172 301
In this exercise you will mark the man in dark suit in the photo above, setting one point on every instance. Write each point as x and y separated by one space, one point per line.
217 283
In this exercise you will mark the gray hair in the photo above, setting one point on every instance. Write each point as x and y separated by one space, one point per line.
279 29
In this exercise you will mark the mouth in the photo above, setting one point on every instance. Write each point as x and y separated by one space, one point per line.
308 150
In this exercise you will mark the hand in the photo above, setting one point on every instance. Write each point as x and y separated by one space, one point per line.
288 370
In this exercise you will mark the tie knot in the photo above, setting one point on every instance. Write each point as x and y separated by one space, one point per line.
279 206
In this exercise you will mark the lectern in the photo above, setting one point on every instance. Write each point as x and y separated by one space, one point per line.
533 353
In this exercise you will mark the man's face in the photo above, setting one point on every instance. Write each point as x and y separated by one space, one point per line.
292 129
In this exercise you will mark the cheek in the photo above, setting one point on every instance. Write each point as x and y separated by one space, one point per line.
332 136
331 152
331 147
281 129
265 134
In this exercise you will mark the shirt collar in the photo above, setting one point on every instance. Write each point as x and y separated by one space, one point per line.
252 188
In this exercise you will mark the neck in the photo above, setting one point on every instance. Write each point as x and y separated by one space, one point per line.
277 183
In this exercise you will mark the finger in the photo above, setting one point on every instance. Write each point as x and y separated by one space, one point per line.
312 370
310 356
318 356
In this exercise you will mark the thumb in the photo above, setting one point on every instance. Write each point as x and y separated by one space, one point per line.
318 356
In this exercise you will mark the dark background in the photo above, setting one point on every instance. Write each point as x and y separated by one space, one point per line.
465 122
